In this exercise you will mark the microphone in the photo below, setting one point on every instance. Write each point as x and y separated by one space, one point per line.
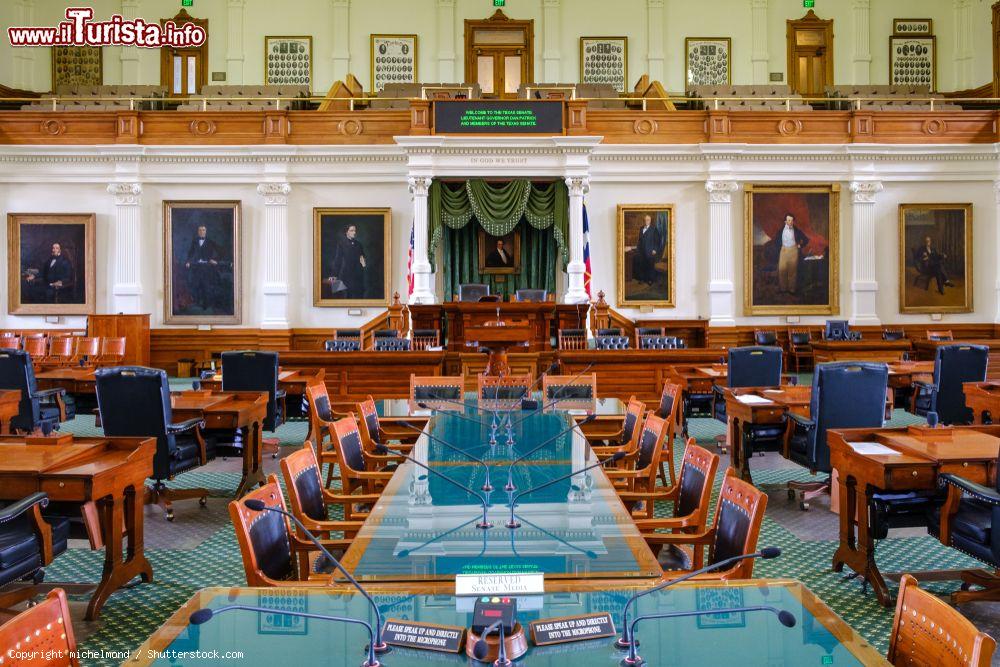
484 523
784 617
625 641
258 505
481 648
514 523
204 615
510 469
487 486
547 404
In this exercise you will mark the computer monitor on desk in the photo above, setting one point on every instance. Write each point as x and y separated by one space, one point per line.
836 330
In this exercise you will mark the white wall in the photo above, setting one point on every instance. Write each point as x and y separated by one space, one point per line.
576 18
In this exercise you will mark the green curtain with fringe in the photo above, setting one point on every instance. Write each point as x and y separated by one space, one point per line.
498 209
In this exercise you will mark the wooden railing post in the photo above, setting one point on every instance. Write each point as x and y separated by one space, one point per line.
396 313
602 316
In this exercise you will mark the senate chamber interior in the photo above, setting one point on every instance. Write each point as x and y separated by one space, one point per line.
499 332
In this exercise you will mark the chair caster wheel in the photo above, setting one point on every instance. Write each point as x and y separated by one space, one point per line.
274 455
170 517
803 505
791 494
203 501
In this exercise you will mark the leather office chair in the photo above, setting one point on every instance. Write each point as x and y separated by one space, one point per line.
10 342
751 366
836 330
953 365
473 292
690 496
800 347
893 334
253 370
28 543
764 337
638 470
372 432
531 295
271 550
134 401
321 419
359 471
572 339
941 334
39 410
346 345
917 627
734 531
845 394
969 521
612 342
392 344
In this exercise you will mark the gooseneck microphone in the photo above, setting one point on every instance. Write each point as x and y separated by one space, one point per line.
481 648
625 641
510 468
204 615
784 617
484 523
258 505
514 523
487 485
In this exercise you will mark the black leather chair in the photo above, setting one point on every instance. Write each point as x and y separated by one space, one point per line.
973 519
953 365
386 333
337 345
28 543
836 330
38 410
612 342
769 338
614 331
893 334
649 331
752 366
473 292
845 394
658 342
253 370
532 295
135 401
392 344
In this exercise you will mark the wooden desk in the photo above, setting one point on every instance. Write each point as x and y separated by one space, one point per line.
107 476
496 338
918 456
457 317
230 411
983 398
75 380
741 415
859 350
927 349
10 403
292 381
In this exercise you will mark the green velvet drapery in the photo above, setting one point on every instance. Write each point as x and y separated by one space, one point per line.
498 209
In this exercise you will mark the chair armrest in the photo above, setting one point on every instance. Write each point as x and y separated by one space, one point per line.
651 496
15 510
186 425
799 420
373 475
625 474
46 393
919 385
708 537
331 498
978 491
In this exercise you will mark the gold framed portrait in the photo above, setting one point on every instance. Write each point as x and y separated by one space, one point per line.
604 60
935 258
791 240
50 263
351 256
499 255
646 256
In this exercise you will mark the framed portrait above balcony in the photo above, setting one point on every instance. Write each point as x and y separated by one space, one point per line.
913 61
604 60
77 66
288 61
707 61
393 60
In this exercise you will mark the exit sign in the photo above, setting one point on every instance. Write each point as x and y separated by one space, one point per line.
808 3
499 3
187 3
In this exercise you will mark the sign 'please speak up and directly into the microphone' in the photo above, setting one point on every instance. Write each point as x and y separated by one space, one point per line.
499 584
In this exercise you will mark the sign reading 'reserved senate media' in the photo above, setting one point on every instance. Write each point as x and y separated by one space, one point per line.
499 584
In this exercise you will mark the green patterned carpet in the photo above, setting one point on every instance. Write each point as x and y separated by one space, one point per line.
131 615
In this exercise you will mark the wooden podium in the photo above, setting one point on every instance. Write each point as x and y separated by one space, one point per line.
496 338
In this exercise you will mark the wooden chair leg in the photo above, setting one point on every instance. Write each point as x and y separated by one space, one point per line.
989 583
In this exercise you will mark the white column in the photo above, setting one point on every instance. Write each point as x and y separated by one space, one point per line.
654 40
996 247
575 291
862 59
234 43
129 55
423 287
864 287
24 57
126 289
551 54
759 56
342 39
275 287
963 44
721 280
445 41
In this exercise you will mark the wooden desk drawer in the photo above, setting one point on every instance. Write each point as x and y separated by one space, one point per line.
64 489
970 470
219 421
910 477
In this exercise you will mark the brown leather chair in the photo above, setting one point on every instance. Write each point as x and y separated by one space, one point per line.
36 345
638 474
50 630
321 418
61 351
627 439
359 471
86 350
112 351
691 496
927 631
669 410
373 430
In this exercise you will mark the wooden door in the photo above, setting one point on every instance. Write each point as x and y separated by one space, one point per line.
498 55
184 70
810 55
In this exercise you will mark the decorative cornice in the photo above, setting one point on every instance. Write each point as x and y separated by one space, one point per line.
721 192
863 192
125 194
275 194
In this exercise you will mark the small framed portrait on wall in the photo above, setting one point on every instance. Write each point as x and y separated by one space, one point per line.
645 257
393 60
935 258
792 236
499 255
351 258
707 61
202 262
604 60
50 263
288 61
913 61
77 66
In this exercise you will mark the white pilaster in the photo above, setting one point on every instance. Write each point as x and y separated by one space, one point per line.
551 54
234 42
129 55
996 247
721 290
575 291
423 288
759 56
654 40
963 44
24 57
126 290
341 39
864 287
445 40
275 288
862 58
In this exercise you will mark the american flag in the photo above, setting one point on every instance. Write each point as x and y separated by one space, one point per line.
586 252
409 265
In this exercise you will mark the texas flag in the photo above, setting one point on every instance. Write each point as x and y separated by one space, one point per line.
586 252
409 266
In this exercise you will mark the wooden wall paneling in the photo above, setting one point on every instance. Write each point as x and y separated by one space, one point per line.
351 376
167 346
647 127
135 329
347 127
924 127
472 364
694 332
58 127
781 127
202 127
